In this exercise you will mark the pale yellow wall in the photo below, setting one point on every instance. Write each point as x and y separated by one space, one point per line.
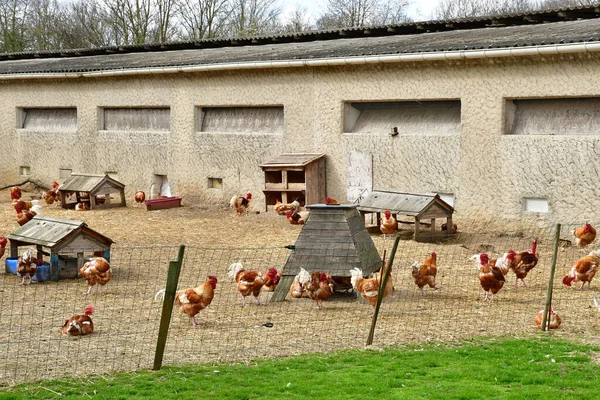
488 172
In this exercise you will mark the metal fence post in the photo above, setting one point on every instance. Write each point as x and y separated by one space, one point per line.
545 319
167 310
382 283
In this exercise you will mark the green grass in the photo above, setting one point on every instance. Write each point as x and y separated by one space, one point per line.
490 369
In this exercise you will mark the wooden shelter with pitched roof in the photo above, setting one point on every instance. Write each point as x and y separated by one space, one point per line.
333 240
97 190
68 242
420 206
292 176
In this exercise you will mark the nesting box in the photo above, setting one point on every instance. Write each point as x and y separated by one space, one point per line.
68 244
334 240
295 176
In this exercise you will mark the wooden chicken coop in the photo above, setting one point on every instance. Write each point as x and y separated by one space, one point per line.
99 191
334 240
299 176
424 208
67 243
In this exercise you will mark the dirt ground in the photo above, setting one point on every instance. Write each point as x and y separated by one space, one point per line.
127 317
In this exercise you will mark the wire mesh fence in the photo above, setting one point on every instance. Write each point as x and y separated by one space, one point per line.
127 316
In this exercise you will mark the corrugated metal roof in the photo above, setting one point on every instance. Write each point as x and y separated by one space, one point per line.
577 25
293 159
87 183
45 231
399 203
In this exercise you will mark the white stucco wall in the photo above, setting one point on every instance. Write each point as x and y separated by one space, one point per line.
488 172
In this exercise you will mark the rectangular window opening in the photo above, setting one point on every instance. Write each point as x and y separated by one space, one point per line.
567 116
48 119
535 205
215 183
267 119
24 170
403 117
136 119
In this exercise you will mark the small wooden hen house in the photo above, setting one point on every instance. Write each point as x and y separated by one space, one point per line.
99 191
333 240
67 242
422 207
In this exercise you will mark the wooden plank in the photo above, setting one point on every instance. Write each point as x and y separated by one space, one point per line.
282 289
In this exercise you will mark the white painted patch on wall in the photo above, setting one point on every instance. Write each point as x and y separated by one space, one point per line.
535 205
447 197
360 175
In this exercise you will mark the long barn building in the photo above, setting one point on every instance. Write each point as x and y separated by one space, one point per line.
500 116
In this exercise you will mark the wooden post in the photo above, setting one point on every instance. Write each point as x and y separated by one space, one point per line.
545 319
167 310
382 283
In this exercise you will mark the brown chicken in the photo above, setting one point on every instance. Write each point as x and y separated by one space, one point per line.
299 285
80 325
193 300
524 262
97 271
139 197
282 208
240 204
15 193
552 323
454 229
388 224
369 288
584 270
425 273
320 288
296 218
491 277
330 200
27 266
28 215
248 282
83 206
52 195
3 243
271 279
584 235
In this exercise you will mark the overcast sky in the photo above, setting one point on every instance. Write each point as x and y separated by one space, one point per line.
420 9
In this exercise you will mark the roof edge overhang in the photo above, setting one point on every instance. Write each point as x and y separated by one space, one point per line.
542 50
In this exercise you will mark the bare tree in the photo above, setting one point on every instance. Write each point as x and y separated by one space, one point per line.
297 21
452 9
130 20
203 18
550 4
13 15
86 24
44 20
347 13
164 11
253 17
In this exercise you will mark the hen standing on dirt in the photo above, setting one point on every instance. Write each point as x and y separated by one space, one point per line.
96 271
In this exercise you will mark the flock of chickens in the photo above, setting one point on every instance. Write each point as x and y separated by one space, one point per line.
318 285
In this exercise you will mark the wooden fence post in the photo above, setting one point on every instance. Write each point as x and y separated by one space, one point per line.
167 310
545 319
382 283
